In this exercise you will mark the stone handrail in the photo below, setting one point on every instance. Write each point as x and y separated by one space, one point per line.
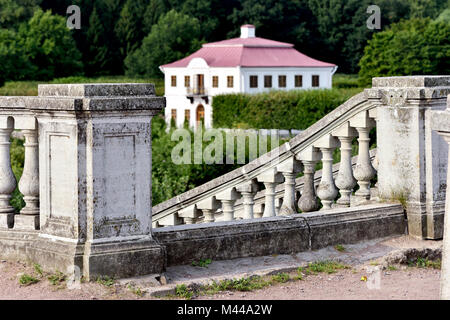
339 126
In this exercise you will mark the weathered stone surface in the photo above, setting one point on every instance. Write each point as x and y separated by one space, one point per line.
412 81
279 235
97 90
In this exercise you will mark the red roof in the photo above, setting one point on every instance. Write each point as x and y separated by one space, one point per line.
250 52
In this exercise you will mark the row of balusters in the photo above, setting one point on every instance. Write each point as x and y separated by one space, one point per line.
28 184
332 191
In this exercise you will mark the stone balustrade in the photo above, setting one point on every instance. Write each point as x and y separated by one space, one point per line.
284 170
397 107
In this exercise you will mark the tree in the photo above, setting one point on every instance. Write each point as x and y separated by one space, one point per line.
172 38
411 47
14 12
49 47
15 64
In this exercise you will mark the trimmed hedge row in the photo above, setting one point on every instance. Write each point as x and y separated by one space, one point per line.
295 109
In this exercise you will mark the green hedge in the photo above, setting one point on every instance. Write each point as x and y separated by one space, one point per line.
295 109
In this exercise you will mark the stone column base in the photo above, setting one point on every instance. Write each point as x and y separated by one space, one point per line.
426 221
26 222
123 259
115 259
6 220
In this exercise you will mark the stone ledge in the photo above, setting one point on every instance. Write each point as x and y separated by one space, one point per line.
97 90
411 82
280 235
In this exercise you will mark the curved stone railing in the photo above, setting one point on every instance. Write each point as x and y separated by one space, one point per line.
216 199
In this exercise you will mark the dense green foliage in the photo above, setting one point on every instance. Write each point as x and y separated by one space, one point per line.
174 36
416 46
296 109
111 38
42 48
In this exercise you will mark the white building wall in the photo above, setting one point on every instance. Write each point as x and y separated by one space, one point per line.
177 96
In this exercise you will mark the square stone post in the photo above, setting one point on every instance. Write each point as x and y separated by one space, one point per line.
412 158
95 178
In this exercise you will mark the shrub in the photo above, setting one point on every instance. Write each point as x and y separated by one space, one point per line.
295 109
412 47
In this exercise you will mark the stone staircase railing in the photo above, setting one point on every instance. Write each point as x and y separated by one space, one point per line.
354 118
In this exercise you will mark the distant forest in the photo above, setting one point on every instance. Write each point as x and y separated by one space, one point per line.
113 31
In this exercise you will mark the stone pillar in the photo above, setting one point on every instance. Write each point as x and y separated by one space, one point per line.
412 159
7 178
95 178
308 200
270 179
290 168
248 191
209 207
228 198
345 180
327 190
441 123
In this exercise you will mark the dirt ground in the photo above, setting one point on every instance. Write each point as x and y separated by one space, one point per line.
402 283
407 284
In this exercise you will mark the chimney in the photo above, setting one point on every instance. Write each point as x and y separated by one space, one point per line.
248 31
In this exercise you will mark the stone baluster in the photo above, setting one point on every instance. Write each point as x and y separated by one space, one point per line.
290 168
345 180
208 207
327 190
248 191
270 179
364 171
29 184
308 199
7 179
189 214
258 210
228 198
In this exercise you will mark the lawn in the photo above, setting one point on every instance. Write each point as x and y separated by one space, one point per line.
30 88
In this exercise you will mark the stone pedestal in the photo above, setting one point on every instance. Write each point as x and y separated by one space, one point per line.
412 158
95 186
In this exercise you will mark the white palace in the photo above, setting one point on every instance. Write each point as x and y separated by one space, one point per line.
248 64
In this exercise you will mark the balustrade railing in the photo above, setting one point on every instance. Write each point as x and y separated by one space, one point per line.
351 186
28 185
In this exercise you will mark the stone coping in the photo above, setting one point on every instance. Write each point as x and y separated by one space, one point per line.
96 90
412 81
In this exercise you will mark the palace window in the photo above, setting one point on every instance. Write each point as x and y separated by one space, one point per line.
187 81
187 115
282 81
298 81
174 114
230 81
173 80
267 81
315 81
253 81
215 81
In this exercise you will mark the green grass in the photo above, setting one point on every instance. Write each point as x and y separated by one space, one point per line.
425 263
136 290
339 247
30 88
57 278
345 81
326 266
26 280
105 281
202 263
